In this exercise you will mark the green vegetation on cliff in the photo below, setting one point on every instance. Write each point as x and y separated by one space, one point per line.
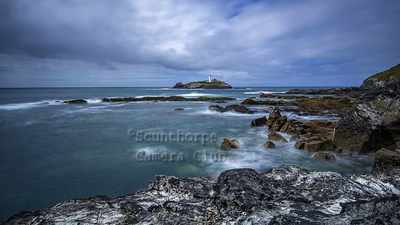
392 73
383 79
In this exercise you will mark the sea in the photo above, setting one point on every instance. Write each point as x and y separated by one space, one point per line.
51 151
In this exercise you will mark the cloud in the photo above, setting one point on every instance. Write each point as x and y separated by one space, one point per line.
338 42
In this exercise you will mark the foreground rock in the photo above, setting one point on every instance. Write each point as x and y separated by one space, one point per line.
243 196
228 144
230 108
387 161
214 84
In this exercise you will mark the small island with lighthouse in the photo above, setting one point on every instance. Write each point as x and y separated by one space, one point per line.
206 84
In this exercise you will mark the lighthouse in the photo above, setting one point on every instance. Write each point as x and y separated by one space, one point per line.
209 78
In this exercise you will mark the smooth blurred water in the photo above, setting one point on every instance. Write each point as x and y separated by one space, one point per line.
50 151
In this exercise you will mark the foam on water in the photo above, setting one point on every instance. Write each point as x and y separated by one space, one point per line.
310 117
29 105
263 92
196 94
230 114
94 100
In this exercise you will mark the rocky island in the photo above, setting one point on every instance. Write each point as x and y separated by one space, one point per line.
210 84
368 122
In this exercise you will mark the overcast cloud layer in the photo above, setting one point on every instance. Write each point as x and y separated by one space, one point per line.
160 42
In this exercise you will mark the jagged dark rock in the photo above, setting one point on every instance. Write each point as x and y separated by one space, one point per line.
228 144
259 122
312 136
214 84
287 196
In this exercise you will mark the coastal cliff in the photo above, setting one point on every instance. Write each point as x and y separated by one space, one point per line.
286 195
374 122
213 84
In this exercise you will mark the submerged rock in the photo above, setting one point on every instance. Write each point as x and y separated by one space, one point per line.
269 145
229 144
286 195
274 136
324 156
179 109
231 108
76 101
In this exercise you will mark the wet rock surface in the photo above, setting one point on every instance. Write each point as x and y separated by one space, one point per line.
259 122
286 195
269 145
386 161
274 136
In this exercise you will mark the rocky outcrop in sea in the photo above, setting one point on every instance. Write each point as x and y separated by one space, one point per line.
214 84
286 195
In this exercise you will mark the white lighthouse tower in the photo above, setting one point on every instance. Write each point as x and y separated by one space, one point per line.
209 78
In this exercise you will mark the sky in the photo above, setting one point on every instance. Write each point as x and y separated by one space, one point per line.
96 43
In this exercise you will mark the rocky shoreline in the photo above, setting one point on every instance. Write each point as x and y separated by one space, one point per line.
286 195
368 122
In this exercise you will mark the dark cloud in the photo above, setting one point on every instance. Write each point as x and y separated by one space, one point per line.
307 42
